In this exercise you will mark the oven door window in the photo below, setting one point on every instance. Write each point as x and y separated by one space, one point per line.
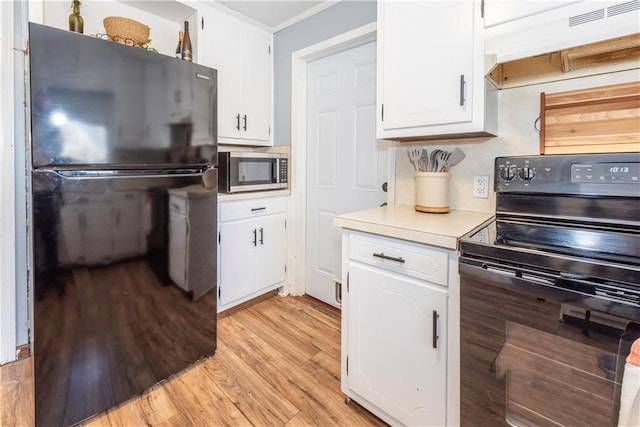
252 171
530 361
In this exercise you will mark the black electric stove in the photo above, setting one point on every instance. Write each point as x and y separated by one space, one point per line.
550 292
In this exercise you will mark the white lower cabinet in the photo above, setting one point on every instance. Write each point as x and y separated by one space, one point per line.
395 329
252 249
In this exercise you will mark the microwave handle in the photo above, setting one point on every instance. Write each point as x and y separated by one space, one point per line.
275 170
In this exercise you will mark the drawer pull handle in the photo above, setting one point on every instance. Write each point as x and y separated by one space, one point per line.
390 258
258 209
435 329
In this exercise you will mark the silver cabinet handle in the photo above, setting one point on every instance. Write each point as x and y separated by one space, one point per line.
238 121
245 122
261 236
389 258
258 209
255 237
435 328
462 100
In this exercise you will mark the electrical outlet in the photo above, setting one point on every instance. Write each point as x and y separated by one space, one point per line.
481 186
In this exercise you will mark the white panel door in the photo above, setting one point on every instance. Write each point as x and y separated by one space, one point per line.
394 362
346 165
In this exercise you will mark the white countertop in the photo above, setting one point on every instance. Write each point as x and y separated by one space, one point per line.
403 222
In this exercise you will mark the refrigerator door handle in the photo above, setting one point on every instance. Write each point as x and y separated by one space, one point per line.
129 173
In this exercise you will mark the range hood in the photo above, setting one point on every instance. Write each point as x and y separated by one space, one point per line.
575 37
570 25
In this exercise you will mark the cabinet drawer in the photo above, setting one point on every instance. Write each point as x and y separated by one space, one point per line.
178 205
410 259
240 209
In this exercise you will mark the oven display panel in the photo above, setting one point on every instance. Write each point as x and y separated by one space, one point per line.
619 173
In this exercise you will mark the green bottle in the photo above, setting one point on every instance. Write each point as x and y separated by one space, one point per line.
76 23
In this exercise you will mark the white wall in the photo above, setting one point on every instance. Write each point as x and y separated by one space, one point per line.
518 110
340 18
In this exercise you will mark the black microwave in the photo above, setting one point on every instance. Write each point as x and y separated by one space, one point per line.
249 171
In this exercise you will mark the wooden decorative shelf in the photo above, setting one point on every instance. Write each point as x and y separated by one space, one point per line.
595 120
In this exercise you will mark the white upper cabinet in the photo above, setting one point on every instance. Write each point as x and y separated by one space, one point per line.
516 30
241 53
431 71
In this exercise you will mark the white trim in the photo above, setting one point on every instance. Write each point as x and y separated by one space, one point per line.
304 15
7 189
297 261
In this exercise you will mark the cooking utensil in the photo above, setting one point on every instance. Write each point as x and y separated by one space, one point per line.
432 160
423 163
456 157
414 154
441 161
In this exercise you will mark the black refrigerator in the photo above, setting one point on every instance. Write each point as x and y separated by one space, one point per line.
124 220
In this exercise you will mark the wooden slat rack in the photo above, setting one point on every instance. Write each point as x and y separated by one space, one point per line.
594 120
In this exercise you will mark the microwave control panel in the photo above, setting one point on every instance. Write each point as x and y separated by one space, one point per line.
283 173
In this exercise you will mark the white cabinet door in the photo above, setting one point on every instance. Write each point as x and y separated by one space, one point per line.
431 71
428 50
256 84
393 360
271 254
238 246
241 54
221 48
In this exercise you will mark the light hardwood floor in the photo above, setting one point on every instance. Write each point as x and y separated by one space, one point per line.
277 364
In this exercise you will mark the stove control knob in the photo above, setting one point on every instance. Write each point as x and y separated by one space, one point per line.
527 173
507 173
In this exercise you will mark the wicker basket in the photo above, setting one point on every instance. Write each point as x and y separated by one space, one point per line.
126 31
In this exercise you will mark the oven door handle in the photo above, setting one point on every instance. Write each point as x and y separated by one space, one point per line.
550 286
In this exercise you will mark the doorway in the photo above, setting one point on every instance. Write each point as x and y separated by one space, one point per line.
297 217
346 165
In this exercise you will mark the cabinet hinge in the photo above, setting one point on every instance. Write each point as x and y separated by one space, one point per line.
382 113
347 365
